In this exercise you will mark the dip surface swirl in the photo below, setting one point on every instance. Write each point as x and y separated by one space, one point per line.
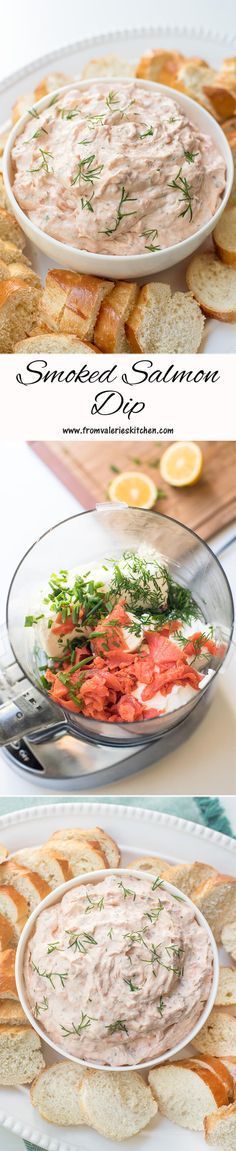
119 971
116 172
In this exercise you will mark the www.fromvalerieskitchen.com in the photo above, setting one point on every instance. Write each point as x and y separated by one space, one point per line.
118 431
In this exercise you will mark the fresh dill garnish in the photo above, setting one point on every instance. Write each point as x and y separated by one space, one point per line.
151 234
53 947
43 1006
182 185
131 985
190 156
46 156
70 113
112 101
149 132
87 203
158 882
51 975
110 933
86 171
53 100
160 1006
37 134
92 903
118 1025
154 914
33 112
76 1029
114 469
81 942
172 119
120 215
127 891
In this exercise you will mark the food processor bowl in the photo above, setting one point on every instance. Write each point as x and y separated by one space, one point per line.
94 537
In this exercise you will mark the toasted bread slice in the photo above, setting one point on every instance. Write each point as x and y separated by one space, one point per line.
56 1094
47 864
7 974
164 323
22 105
186 1092
220 1070
224 236
228 937
218 1035
3 195
109 331
50 83
116 1105
21 1058
229 127
216 898
71 302
45 341
19 303
110 65
11 1012
82 855
14 907
149 863
18 271
223 102
10 230
213 285
193 76
226 994
7 934
220 1129
188 876
11 254
27 882
161 66
105 842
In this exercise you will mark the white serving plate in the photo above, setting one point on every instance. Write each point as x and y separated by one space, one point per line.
131 44
138 832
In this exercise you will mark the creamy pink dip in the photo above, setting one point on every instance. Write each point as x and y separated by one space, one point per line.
118 972
116 172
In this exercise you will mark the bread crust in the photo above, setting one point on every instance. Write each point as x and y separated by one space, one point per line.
77 301
211 1122
7 975
113 316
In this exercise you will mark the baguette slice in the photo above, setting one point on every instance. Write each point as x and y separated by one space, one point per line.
224 236
11 1012
226 994
223 102
27 882
7 934
45 341
117 1105
3 197
186 1092
3 852
82 856
213 285
7 975
11 254
10 230
193 76
50 83
218 1035
22 105
220 1070
14 907
21 1058
187 876
55 1093
105 842
47 864
19 271
19 302
149 863
161 66
164 323
109 331
110 65
229 127
216 898
220 1129
228 937
71 302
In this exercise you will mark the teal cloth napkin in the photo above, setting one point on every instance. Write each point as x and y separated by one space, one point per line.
206 810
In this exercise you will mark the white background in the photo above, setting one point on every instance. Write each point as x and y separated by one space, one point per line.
28 30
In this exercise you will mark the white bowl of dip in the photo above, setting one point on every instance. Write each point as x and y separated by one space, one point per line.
113 263
100 973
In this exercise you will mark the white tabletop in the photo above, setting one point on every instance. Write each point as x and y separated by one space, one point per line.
204 764
27 34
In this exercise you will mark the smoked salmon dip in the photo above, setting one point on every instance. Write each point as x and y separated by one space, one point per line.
118 972
117 172
122 641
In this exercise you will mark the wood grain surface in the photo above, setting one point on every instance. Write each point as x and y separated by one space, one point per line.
86 469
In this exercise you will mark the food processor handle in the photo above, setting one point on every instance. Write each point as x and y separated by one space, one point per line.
23 709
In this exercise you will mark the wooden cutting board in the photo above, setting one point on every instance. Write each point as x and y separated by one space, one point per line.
86 469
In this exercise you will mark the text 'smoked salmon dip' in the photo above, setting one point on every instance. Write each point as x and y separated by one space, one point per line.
122 641
116 172
118 972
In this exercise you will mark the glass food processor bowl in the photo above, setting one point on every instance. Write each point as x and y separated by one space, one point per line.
94 537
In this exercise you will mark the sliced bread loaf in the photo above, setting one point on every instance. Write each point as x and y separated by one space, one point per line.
14 907
218 1035
7 933
164 323
224 235
10 230
106 844
71 302
19 303
228 936
56 1094
109 332
214 286
216 898
220 1129
82 855
226 994
47 864
21 1057
7 974
27 882
118 1104
185 1093
11 1012
45 341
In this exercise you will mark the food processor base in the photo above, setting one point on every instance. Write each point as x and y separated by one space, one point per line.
65 761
